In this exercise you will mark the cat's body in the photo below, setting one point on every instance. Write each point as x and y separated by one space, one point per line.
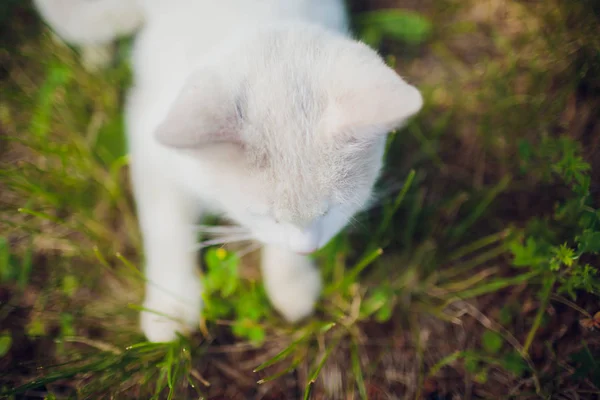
263 111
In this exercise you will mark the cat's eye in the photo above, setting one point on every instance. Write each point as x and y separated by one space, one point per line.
327 207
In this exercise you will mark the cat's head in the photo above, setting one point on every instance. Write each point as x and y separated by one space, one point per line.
292 126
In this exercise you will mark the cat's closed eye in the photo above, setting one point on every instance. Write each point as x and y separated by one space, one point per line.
326 208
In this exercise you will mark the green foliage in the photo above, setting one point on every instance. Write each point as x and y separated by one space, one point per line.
492 342
226 296
5 343
543 247
158 369
586 364
36 327
69 285
379 303
14 268
6 269
400 25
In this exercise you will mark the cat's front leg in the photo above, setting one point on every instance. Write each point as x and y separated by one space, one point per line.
172 300
292 281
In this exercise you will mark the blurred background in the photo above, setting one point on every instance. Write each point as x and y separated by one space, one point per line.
475 274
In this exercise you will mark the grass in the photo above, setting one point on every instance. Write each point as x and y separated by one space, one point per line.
475 276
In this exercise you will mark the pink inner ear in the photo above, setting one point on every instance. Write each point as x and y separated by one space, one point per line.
375 111
203 113
226 136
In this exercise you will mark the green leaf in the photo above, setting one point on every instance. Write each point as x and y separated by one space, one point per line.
481 376
371 36
449 359
492 341
5 267
69 285
110 142
375 301
58 76
326 327
506 314
36 327
66 325
589 242
525 150
384 313
5 343
513 362
257 335
526 256
400 25
564 255
471 364
222 272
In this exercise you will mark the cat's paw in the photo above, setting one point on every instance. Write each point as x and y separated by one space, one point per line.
295 299
165 315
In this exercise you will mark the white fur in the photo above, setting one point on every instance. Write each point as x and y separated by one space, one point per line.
91 22
263 111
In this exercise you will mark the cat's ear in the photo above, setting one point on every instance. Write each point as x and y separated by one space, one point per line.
376 106
203 113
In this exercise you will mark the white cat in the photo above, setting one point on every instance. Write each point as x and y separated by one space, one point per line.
265 111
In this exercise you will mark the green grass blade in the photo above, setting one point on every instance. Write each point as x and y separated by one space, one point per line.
545 297
357 370
478 244
282 354
480 209
315 374
497 284
397 202
351 275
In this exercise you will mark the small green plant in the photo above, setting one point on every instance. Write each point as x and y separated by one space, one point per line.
544 245
559 259
226 296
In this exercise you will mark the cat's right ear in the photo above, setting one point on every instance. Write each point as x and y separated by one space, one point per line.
203 113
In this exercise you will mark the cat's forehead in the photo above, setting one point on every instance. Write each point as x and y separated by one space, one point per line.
284 100
300 185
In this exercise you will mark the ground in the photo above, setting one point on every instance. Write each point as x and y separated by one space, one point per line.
475 274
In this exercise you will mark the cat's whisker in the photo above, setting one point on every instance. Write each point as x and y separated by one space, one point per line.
355 223
220 229
381 196
223 240
249 249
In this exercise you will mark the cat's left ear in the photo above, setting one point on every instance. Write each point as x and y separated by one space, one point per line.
203 113
376 105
